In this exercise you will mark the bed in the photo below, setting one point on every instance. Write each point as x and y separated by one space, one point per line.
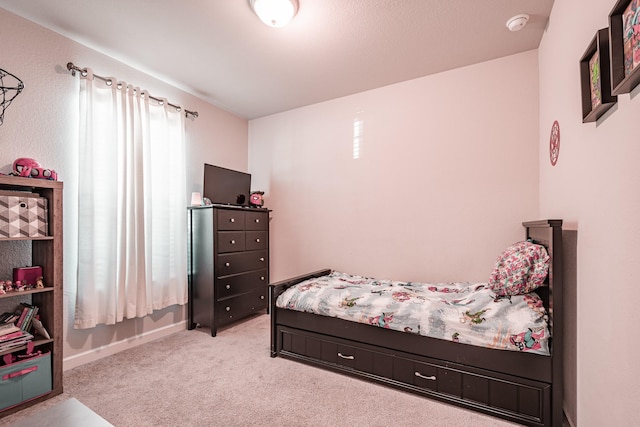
520 381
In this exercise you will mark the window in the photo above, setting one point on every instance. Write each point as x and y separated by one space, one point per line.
131 204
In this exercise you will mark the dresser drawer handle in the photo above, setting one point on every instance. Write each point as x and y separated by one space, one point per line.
257 220
432 378
257 240
227 264
232 220
233 242
228 308
228 286
345 357
262 278
261 296
262 259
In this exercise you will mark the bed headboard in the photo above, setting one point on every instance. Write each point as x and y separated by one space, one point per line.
549 233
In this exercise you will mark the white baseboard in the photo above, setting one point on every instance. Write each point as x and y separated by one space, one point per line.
116 347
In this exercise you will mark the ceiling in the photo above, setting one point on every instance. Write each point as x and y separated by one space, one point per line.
219 51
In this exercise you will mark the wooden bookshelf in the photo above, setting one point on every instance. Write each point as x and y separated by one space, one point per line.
47 252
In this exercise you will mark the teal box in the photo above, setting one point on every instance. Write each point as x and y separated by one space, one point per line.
25 380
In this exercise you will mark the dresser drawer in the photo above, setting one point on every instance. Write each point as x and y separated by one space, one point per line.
240 306
255 240
233 263
231 241
230 219
256 220
231 286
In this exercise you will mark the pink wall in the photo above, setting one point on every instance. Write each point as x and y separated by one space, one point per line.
41 123
449 166
448 170
594 187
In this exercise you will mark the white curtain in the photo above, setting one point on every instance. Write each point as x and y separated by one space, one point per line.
132 256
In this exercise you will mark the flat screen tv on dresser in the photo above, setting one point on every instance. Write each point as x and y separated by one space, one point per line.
226 186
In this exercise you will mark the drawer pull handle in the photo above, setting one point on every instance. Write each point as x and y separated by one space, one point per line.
257 240
228 308
261 296
257 220
227 264
432 377
233 242
346 357
262 259
262 278
232 220
228 286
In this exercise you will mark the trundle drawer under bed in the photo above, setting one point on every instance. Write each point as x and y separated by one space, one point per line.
520 399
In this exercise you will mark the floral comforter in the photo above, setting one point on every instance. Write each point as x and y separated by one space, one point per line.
467 313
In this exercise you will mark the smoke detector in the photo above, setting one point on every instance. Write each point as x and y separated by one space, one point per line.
517 22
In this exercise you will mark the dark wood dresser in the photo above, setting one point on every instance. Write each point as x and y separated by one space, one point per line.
228 264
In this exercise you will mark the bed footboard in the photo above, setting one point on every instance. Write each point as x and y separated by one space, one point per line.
275 289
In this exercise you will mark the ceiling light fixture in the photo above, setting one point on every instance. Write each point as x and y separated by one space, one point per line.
517 22
275 13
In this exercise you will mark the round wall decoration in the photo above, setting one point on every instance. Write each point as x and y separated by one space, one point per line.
554 143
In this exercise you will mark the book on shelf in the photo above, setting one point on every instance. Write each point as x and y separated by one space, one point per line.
20 326
7 328
8 317
11 336
15 340
40 329
6 325
27 313
23 313
33 311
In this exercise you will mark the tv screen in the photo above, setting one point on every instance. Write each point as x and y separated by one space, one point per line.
226 186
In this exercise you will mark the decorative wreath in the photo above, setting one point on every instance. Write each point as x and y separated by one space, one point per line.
10 87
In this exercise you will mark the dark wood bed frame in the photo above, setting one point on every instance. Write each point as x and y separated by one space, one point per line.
520 387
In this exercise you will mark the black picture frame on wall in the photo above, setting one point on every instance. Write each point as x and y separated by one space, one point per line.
625 46
595 79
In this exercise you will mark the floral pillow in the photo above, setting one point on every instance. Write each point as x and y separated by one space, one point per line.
520 269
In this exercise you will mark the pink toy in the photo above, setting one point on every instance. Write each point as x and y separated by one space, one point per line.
25 166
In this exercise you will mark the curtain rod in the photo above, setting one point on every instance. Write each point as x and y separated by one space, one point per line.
71 67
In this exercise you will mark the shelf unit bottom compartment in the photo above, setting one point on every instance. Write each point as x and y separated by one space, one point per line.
25 380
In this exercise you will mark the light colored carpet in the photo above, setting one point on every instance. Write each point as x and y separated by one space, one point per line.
192 379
